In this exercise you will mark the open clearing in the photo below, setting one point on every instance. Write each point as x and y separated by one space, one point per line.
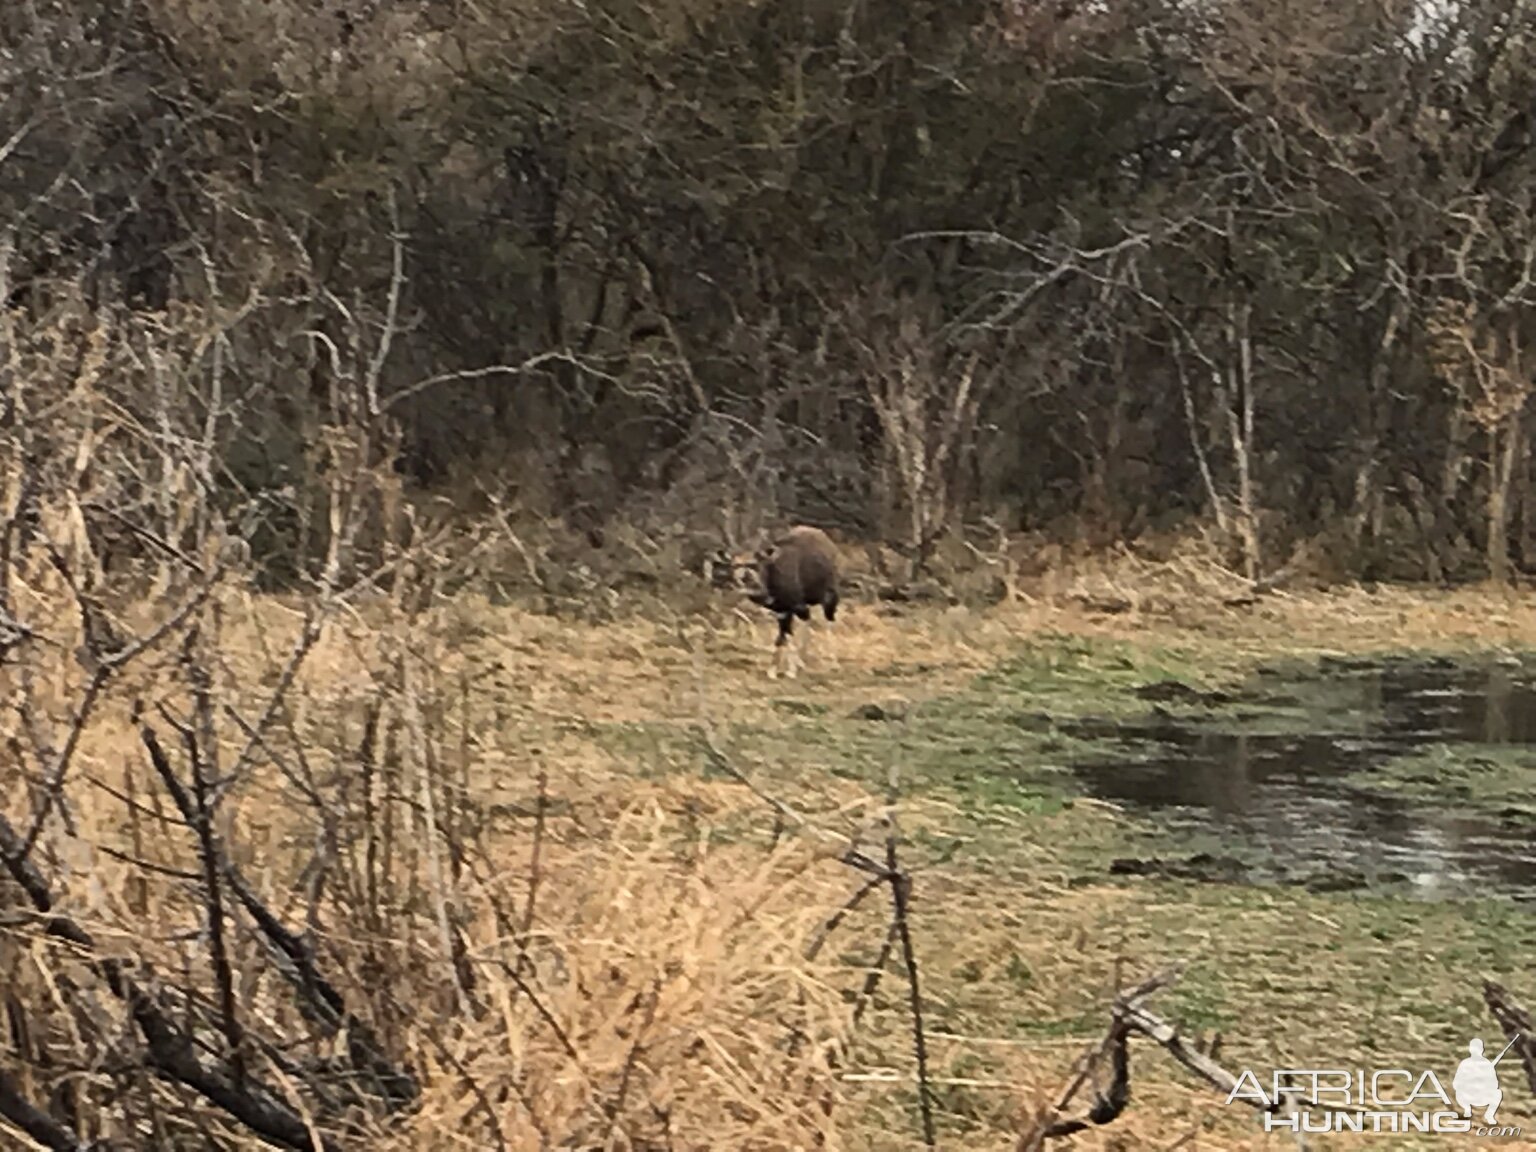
1021 929
659 889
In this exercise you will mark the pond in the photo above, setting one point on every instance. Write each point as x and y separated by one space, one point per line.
1401 773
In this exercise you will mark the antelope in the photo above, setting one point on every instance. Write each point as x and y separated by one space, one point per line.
795 573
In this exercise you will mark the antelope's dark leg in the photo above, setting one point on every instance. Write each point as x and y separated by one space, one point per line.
794 647
829 610
786 626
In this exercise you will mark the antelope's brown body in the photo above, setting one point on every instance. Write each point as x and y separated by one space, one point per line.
798 572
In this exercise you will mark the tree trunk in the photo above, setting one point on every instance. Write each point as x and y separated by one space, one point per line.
1503 441
1366 515
1523 501
1197 442
1240 414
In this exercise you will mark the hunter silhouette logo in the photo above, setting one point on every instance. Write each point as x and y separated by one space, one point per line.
1476 1082
1387 1100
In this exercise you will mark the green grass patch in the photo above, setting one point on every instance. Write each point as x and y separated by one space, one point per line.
1024 933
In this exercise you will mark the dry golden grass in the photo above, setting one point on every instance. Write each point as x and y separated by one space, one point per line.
966 924
665 966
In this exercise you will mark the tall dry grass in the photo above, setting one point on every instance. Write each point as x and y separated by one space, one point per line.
559 958
281 871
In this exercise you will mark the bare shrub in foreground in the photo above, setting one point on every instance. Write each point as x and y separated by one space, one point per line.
273 873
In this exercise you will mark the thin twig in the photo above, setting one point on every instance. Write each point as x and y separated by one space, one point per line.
901 902
615 1107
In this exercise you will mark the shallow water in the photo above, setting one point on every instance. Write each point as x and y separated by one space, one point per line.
1299 775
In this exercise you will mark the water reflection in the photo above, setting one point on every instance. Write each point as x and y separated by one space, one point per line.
1294 801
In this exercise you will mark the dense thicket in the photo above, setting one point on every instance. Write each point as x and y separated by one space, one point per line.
897 267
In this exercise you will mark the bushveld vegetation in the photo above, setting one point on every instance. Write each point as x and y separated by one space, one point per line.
380 770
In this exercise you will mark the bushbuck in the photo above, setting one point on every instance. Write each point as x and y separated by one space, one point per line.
795 573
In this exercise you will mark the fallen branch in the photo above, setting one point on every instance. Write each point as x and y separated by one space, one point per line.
32 1120
169 1051
1129 1015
